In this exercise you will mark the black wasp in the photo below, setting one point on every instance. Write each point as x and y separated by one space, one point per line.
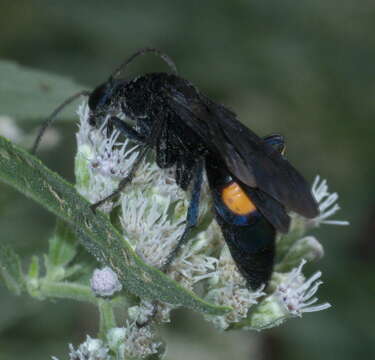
252 184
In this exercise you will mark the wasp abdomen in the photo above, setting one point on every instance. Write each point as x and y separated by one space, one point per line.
237 200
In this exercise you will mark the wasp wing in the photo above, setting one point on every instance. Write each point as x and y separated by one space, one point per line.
247 156
270 208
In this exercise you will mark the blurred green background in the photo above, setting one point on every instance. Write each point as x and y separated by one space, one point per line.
305 69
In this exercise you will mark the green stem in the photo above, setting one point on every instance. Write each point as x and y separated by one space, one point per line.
107 317
67 290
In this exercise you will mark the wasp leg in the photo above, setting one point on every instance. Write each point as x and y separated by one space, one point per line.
148 141
125 181
134 135
192 214
124 128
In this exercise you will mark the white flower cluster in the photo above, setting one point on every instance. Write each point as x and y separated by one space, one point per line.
149 222
130 342
296 294
194 263
91 349
229 288
153 220
293 296
328 205
133 342
289 294
190 267
101 161
153 210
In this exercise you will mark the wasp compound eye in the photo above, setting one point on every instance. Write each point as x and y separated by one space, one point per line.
98 97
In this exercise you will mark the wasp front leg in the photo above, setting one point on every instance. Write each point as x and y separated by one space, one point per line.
114 123
148 142
132 134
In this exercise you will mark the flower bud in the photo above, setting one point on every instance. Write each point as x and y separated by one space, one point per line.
104 282
308 248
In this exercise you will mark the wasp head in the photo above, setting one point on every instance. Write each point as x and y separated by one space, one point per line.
101 103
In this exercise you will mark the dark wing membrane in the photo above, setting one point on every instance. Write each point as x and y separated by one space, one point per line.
246 155
252 249
270 208
273 173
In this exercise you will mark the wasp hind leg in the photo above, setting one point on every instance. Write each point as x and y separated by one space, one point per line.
191 222
192 215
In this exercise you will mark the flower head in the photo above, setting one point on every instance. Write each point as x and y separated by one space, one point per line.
297 294
153 220
292 297
101 161
133 341
327 204
91 349
104 282
231 290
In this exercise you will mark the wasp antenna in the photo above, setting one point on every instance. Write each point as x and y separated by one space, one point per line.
49 120
144 51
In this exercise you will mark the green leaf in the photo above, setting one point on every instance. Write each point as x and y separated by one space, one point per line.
62 249
62 245
27 174
31 94
34 269
10 270
33 280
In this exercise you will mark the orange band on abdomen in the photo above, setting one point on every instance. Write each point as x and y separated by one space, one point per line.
237 200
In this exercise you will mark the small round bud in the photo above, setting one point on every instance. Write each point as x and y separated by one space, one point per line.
104 282
308 248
